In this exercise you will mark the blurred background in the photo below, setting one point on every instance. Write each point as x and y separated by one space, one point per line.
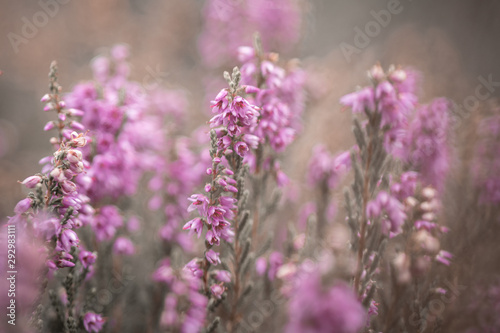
452 43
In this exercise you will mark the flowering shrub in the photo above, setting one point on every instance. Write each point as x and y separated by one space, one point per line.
149 217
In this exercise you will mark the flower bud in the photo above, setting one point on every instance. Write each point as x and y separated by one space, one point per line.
23 206
49 126
31 181
74 156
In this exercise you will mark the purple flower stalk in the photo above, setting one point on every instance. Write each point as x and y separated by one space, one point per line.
234 118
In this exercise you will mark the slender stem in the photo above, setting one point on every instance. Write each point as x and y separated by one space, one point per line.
236 164
364 220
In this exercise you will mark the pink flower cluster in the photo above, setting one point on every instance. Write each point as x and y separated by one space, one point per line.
426 147
390 212
279 92
325 167
314 308
65 207
234 116
124 133
390 99
184 287
232 24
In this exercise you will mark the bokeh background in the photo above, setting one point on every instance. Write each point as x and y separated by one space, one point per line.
451 42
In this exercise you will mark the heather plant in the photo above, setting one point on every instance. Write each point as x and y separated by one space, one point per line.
49 217
147 217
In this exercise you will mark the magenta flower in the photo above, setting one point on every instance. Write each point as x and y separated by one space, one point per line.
212 237
195 226
241 148
23 206
68 239
32 181
199 201
389 210
261 265
360 101
46 227
324 167
123 246
212 257
444 257
314 308
222 276
93 322
217 290
87 258
427 147
215 215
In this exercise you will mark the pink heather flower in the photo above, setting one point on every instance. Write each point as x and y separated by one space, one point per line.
68 239
241 148
194 320
195 226
222 276
406 187
93 322
68 187
261 265
194 268
49 126
164 273
199 201
251 140
212 257
215 215
227 203
123 246
46 227
169 315
389 209
233 115
217 290
427 147
78 140
324 167
444 257
58 174
106 222
74 156
232 23
32 181
212 238
87 258
315 309
63 263
23 206
275 262
155 203
360 101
